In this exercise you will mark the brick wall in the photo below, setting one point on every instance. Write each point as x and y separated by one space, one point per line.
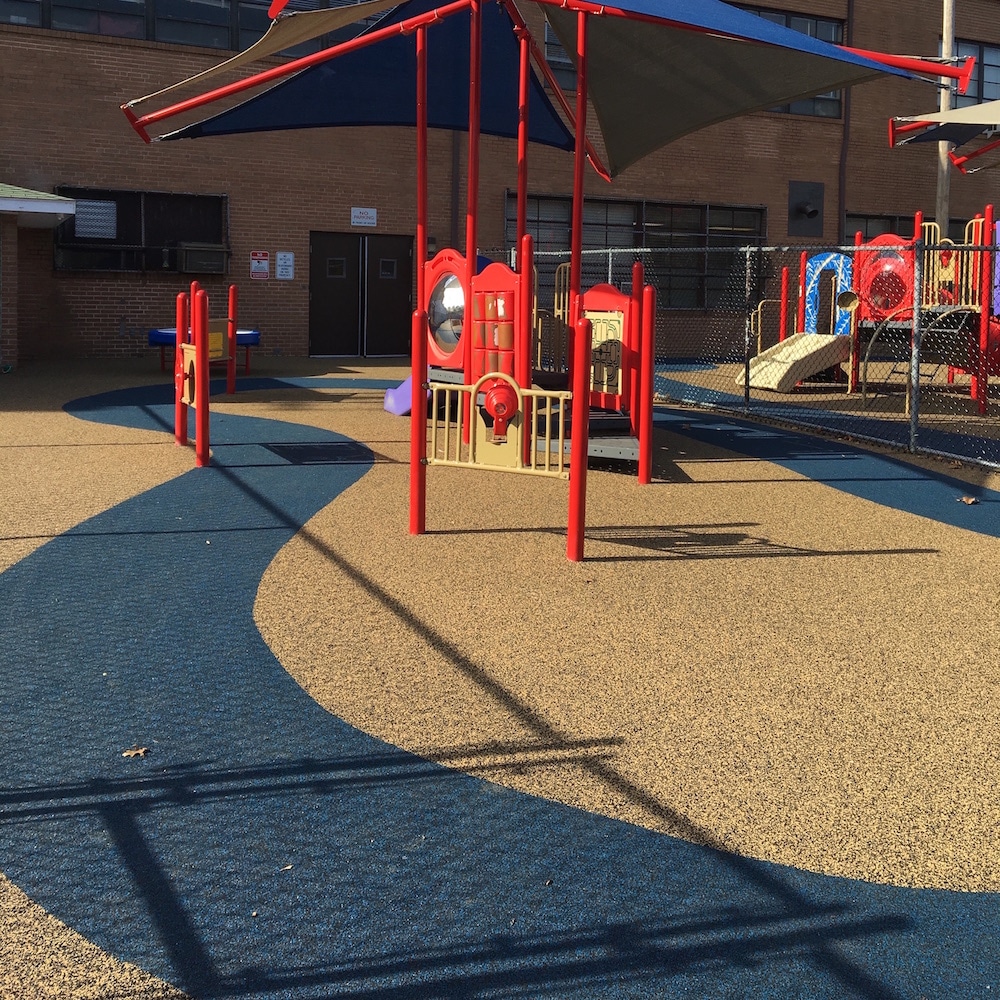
62 125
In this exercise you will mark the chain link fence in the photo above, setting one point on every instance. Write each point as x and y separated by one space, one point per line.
820 338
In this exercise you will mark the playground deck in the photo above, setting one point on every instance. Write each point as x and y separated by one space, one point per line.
747 747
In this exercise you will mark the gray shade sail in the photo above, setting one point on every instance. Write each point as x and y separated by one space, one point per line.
681 65
985 115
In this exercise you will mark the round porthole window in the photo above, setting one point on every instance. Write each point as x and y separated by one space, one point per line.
446 312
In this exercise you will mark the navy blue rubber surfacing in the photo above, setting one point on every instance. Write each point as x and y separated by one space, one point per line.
264 848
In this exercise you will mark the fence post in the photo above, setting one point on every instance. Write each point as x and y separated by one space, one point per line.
918 284
747 332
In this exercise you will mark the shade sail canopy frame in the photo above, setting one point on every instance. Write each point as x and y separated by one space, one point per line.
959 126
703 62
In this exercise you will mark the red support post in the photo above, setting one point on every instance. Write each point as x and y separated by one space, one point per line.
646 389
855 376
231 327
523 362
579 158
472 190
800 311
783 314
421 42
472 197
579 440
180 407
418 425
633 350
201 446
523 84
981 387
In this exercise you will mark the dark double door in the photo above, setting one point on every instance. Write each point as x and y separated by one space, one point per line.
360 301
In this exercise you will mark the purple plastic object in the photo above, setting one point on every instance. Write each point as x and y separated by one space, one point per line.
399 400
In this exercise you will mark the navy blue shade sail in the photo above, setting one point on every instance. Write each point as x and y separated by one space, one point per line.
375 86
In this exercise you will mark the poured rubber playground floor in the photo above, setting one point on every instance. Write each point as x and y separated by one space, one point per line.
258 741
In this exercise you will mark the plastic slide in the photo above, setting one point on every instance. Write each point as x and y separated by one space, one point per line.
797 358
399 400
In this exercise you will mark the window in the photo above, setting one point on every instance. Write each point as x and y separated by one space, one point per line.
142 231
689 249
562 66
27 12
217 24
193 22
827 105
124 18
985 82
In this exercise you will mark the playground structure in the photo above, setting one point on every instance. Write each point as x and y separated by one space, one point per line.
954 320
498 418
200 341
166 337
754 65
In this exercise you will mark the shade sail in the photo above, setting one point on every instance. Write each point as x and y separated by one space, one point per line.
949 132
672 67
375 86
285 33
985 115
657 70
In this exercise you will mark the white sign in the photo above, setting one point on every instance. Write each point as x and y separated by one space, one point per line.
284 265
364 216
260 264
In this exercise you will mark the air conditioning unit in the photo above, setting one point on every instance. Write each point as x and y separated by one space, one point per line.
202 258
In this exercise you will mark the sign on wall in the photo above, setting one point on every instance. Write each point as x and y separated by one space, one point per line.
364 216
260 264
284 265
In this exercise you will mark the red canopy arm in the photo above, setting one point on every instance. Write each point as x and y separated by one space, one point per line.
927 67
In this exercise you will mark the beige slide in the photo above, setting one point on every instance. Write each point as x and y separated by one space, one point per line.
796 358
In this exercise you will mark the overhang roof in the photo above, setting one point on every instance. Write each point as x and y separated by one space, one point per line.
35 209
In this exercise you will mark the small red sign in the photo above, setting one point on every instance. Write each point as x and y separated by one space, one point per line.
260 264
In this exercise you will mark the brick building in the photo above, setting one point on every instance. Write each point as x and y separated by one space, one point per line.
153 217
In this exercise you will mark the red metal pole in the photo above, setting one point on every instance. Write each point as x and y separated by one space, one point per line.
231 327
418 425
523 81
783 313
855 375
471 199
800 313
579 435
579 155
646 391
632 362
472 195
960 162
523 363
982 380
421 167
195 289
963 73
201 455
525 266
180 407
